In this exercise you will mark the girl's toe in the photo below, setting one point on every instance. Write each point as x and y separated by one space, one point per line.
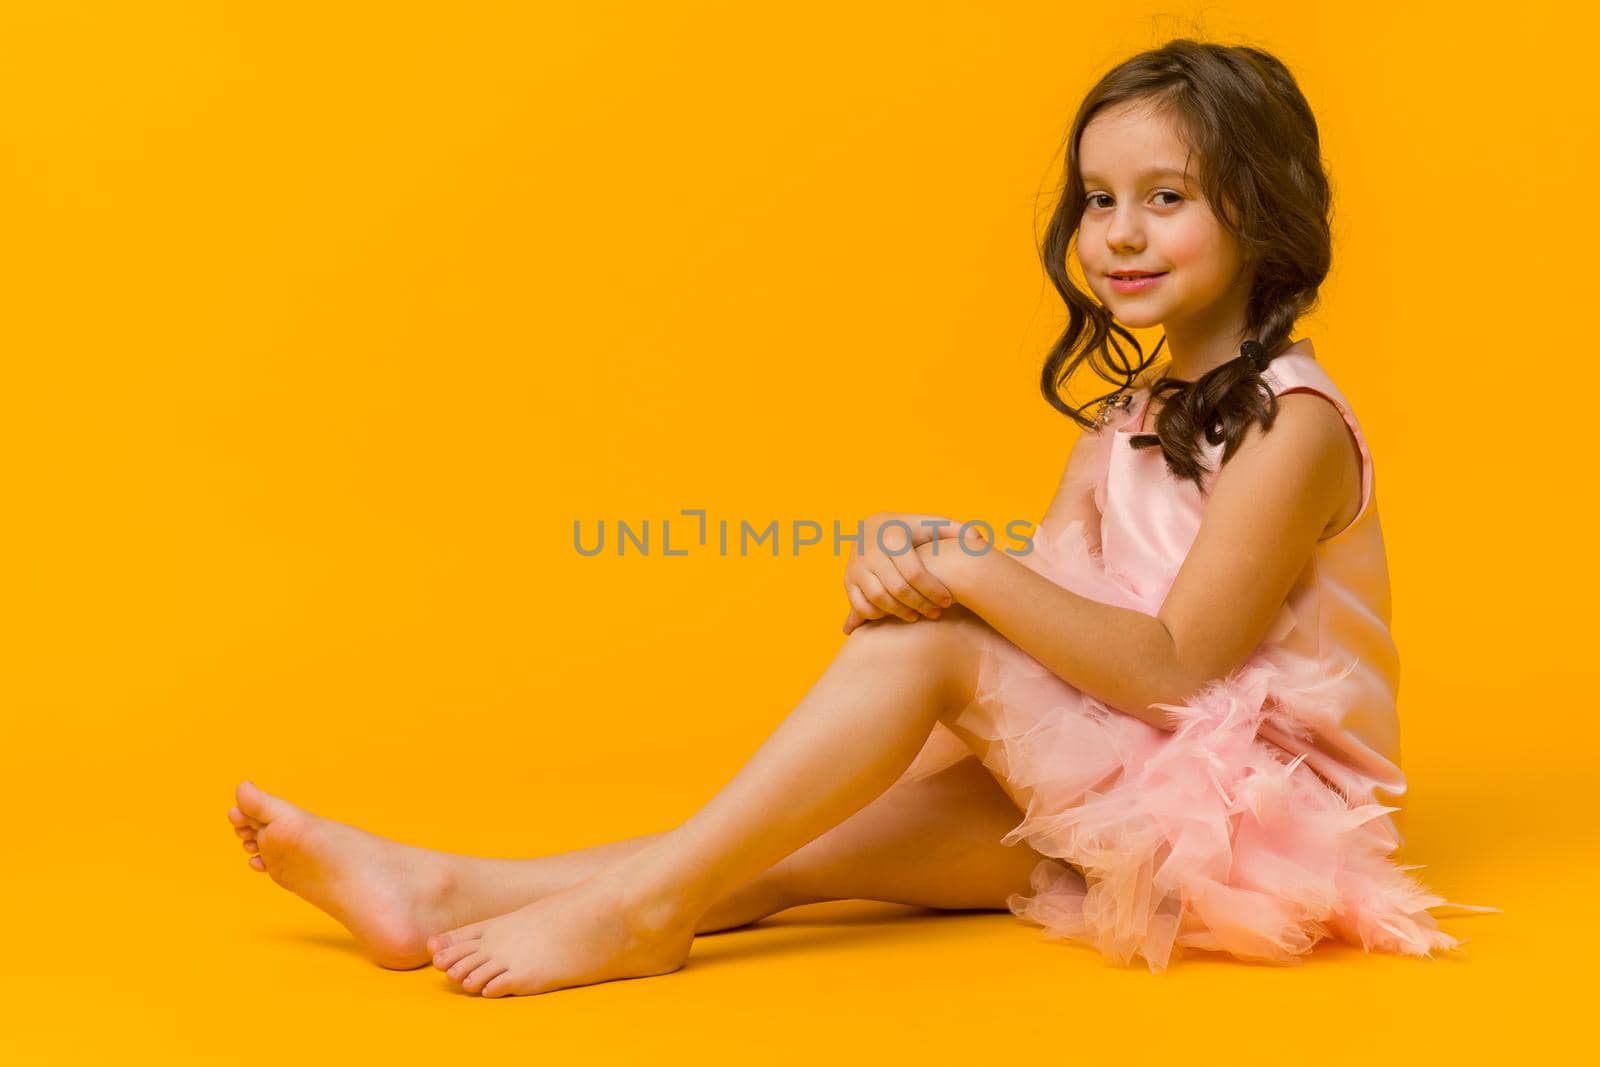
450 955
481 975
471 962
455 937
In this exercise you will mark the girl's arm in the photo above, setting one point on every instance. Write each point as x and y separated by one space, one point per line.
1268 508
1124 658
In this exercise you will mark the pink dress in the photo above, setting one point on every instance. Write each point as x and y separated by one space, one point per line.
1262 824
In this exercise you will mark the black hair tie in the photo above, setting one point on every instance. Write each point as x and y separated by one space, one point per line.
1256 353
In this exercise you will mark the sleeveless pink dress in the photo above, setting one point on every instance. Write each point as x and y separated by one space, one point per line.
1262 824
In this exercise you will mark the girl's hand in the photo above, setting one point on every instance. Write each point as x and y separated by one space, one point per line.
898 581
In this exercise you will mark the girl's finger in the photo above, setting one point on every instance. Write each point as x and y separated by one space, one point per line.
863 607
851 621
924 581
878 595
894 582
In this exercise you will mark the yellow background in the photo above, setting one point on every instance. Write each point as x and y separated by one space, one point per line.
325 321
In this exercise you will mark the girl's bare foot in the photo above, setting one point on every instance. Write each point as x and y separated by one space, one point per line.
596 931
389 895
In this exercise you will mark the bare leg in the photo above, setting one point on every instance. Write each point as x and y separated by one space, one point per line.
847 741
932 843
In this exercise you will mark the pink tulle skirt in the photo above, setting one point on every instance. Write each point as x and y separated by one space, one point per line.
1206 837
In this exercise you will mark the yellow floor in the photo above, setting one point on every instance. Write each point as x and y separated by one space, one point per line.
148 938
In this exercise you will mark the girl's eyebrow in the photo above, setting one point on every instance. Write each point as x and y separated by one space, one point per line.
1150 172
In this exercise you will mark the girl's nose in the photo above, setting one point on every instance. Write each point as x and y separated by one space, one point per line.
1123 234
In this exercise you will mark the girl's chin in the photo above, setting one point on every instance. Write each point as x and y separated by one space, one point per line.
1136 318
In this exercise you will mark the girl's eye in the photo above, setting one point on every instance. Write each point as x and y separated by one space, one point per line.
1092 197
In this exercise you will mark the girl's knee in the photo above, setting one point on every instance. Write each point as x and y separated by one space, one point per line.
958 632
948 648
956 629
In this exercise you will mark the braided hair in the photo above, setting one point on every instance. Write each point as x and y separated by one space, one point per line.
1234 393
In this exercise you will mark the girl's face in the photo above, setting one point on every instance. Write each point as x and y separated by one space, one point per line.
1142 213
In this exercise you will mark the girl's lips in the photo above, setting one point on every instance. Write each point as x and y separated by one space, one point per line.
1135 285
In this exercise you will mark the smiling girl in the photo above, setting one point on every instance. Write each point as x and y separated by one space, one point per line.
1187 691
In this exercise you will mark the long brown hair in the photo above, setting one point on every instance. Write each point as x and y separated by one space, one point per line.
1261 171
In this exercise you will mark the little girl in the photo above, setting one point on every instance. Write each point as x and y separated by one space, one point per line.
1187 688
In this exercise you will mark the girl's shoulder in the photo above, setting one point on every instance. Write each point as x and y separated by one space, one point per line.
1297 368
